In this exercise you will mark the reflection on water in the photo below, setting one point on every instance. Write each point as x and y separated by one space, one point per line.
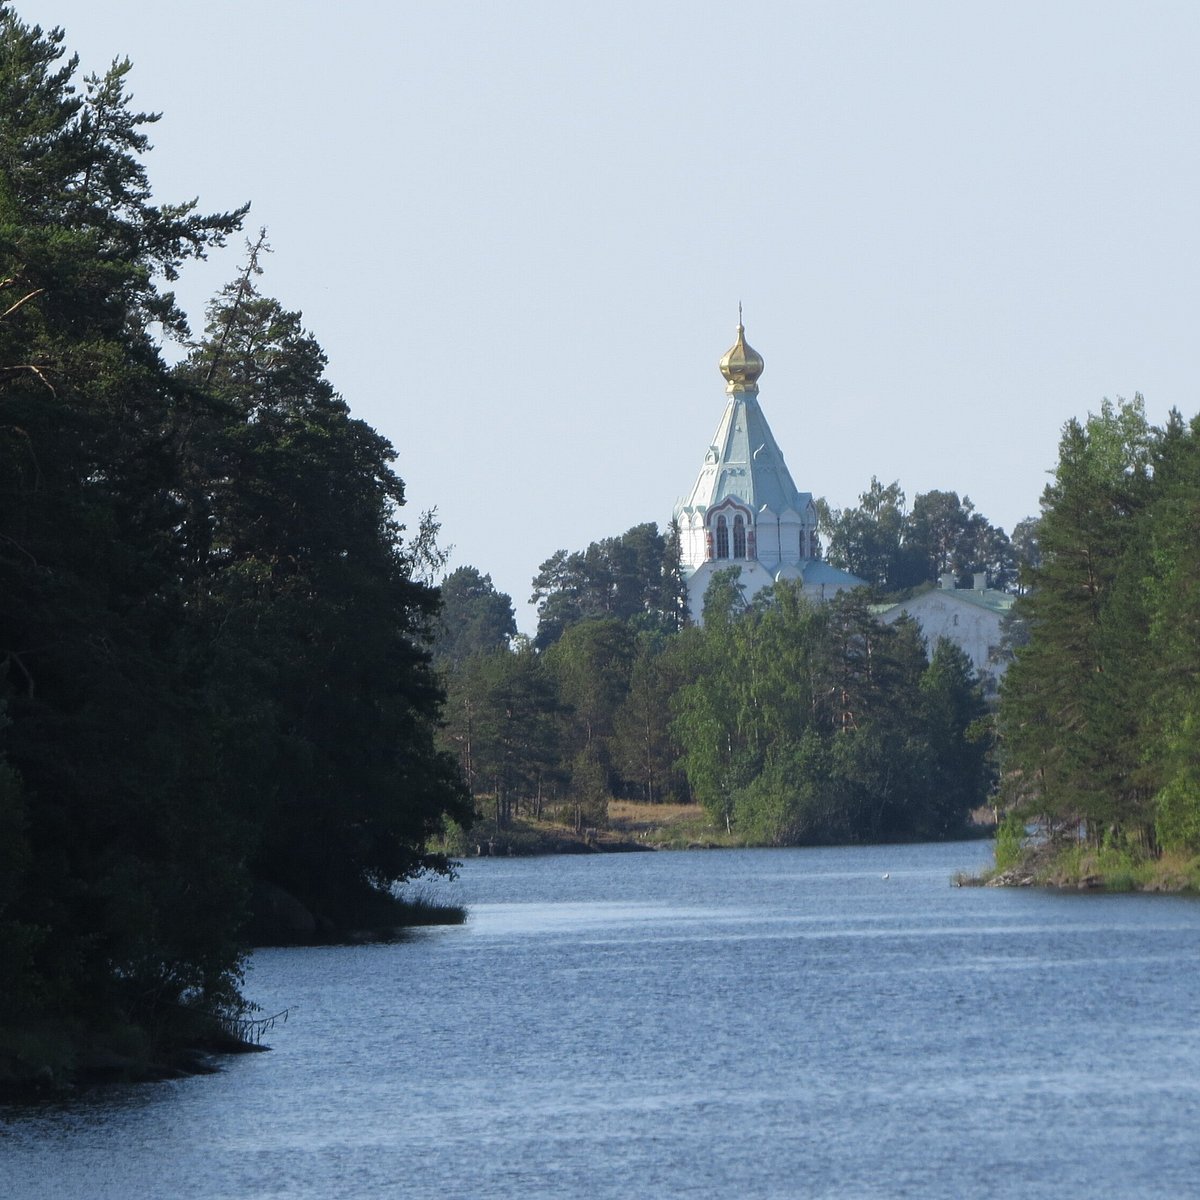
751 1024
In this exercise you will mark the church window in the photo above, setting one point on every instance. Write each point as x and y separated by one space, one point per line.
722 538
739 537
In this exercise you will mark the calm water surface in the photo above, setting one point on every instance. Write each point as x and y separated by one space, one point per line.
734 1024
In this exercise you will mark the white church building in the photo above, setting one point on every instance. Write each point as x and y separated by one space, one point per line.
972 618
744 510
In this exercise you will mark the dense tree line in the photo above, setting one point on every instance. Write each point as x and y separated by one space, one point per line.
791 722
212 674
634 577
808 723
1100 711
894 548
585 716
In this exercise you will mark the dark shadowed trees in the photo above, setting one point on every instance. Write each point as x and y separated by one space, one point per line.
474 619
634 577
211 626
125 895
306 597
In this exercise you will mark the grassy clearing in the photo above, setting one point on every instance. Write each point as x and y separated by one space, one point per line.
629 825
667 826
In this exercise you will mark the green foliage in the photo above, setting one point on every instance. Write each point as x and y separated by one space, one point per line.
643 751
591 663
785 804
474 618
1010 840
1099 712
868 540
503 724
956 726
211 626
894 549
803 723
1177 804
589 788
589 716
1027 549
634 577
1069 732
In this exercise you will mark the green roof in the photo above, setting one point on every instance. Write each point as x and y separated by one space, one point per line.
745 462
988 598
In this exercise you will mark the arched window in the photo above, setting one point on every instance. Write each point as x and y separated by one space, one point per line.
722 538
739 536
803 547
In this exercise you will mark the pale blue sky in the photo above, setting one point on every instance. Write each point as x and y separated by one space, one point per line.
521 231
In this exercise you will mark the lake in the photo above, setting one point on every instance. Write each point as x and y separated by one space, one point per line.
766 1023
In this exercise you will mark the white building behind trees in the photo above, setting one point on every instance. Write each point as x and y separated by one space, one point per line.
972 618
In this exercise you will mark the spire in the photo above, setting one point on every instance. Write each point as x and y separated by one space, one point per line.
744 461
741 364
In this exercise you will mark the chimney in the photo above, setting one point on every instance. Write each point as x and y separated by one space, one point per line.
946 582
981 581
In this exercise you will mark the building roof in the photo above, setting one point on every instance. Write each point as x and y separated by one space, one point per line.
818 571
985 598
744 460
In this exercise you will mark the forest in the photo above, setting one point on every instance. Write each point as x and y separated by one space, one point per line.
1100 712
790 722
215 687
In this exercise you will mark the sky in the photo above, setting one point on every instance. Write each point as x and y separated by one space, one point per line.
521 231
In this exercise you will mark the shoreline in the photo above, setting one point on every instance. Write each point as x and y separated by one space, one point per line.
83 1067
632 827
1082 868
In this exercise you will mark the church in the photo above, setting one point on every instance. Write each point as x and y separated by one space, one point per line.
744 510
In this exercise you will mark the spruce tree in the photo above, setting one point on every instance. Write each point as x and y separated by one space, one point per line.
1069 748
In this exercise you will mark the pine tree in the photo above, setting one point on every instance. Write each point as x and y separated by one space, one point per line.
315 624
1171 585
130 891
1068 750
475 618
504 724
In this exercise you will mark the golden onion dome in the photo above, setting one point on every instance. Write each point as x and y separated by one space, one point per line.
741 364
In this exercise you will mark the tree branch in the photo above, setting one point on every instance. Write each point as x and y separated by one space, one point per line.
23 300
